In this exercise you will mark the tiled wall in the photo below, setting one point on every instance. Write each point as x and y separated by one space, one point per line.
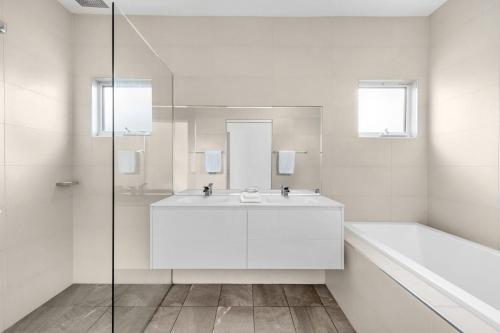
464 120
261 62
312 61
37 230
92 200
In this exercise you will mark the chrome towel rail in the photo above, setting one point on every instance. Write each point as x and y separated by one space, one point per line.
67 184
298 152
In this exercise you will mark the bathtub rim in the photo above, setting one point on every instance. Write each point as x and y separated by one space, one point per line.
477 316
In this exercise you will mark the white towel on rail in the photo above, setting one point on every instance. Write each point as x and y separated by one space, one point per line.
127 161
286 162
213 161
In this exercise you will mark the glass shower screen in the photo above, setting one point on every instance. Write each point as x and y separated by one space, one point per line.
141 128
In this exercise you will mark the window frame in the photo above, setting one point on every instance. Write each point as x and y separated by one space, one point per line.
98 102
410 113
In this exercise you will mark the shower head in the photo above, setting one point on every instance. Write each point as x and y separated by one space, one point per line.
92 3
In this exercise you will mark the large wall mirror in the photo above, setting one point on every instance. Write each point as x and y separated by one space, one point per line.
235 148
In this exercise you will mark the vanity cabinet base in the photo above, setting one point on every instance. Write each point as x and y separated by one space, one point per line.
246 238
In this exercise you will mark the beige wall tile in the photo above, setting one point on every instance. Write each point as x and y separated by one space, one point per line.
473 111
464 117
31 109
189 60
239 31
37 256
475 185
28 146
241 61
194 31
302 61
355 180
478 223
358 152
409 208
300 32
409 181
411 152
465 148
365 208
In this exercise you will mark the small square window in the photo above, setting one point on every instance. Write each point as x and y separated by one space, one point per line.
133 107
387 109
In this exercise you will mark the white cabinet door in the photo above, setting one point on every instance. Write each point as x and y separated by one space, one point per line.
295 239
295 223
198 238
294 254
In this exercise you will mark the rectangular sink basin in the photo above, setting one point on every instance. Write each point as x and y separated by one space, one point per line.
203 200
291 200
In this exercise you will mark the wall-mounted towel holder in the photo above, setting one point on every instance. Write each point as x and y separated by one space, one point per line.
298 152
201 152
67 184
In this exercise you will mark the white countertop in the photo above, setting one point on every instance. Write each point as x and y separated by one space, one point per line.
238 192
301 201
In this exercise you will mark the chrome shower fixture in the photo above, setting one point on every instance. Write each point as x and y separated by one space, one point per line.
92 3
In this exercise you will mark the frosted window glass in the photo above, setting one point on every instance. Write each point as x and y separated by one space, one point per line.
382 109
133 107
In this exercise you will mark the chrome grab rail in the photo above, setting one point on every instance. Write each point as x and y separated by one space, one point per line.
67 184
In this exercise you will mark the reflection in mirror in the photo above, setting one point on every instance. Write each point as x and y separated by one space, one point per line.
241 147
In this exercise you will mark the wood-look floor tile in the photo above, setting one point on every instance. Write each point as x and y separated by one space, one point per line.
273 320
234 319
312 320
339 319
325 295
39 320
100 295
163 320
176 295
198 319
128 319
77 319
73 295
59 319
203 295
269 295
236 295
301 295
149 295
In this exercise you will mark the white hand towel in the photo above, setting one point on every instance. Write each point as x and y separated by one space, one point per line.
213 161
286 162
127 161
246 197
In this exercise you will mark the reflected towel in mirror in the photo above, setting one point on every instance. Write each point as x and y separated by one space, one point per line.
127 161
286 162
213 161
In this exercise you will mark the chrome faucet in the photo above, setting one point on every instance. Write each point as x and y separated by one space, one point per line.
285 190
208 190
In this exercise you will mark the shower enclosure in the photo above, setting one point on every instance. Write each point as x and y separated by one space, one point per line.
141 129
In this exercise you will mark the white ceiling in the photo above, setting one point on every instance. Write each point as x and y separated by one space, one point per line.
292 8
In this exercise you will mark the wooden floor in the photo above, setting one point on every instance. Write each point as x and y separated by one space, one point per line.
189 308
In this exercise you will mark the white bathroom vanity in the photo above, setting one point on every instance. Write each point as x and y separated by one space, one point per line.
219 232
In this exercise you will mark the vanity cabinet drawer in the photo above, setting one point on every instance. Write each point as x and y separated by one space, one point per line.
296 254
295 239
295 224
199 238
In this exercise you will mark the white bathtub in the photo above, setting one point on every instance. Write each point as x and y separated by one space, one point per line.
465 273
